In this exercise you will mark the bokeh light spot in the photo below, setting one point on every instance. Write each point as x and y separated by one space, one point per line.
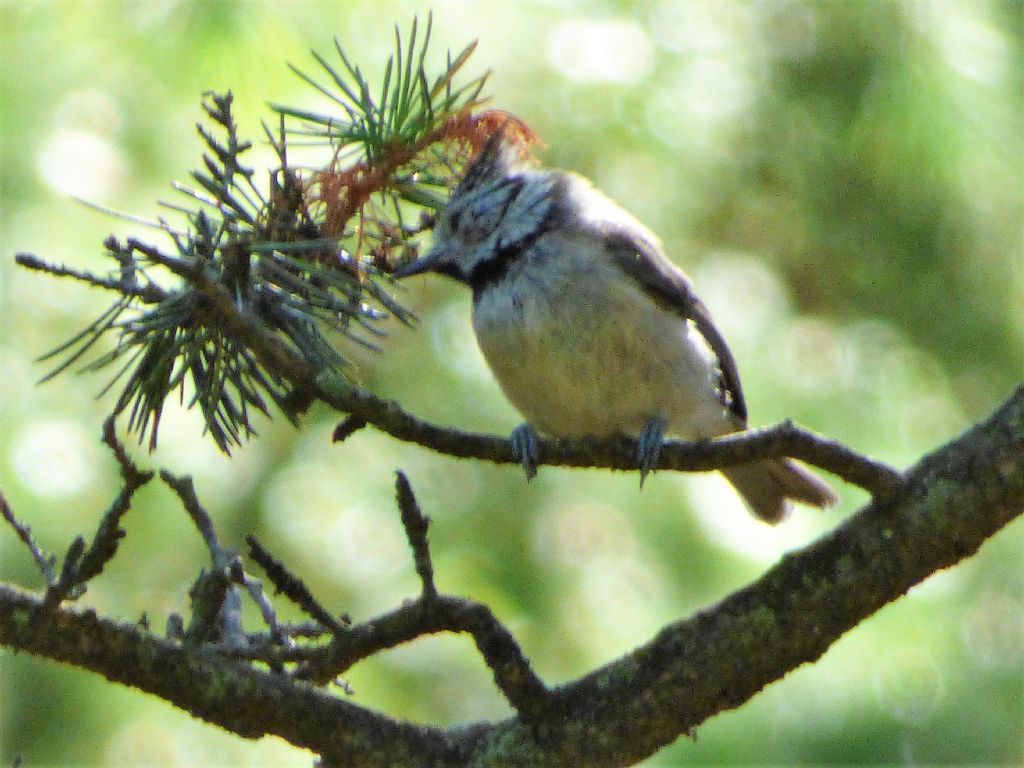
745 296
91 111
814 359
726 521
455 345
578 534
55 459
909 686
82 164
612 51
695 29
993 631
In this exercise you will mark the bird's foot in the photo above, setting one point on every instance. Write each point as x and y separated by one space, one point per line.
524 448
649 447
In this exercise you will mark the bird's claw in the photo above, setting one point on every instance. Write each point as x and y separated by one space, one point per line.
524 448
649 446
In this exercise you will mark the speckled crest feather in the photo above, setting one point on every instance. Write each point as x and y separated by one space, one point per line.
500 204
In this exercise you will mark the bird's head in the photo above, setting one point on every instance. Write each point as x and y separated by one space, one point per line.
498 205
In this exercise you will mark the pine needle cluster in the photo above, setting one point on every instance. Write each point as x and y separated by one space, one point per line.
305 255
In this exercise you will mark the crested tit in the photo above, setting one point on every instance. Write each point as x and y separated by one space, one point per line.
588 327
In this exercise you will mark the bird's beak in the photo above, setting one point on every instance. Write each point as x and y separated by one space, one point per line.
425 263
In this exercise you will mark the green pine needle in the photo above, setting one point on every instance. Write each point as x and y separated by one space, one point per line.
305 259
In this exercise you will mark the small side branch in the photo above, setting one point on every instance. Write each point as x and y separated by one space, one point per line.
442 613
186 492
431 613
147 294
788 439
293 587
109 533
416 526
81 564
216 596
346 428
510 666
44 561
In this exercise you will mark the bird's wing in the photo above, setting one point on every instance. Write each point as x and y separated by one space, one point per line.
664 282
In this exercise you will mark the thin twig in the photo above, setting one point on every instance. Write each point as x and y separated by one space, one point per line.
347 427
80 564
292 586
254 587
148 294
109 533
216 606
131 474
416 526
186 492
66 583
44 561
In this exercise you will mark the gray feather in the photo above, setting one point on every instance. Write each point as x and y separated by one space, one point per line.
669 286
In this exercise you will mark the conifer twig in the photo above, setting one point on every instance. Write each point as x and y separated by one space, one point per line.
416 525
82 564
44 561
306 259
293 587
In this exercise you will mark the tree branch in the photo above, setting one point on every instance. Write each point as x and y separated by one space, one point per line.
294 588
363 407
427 616
148 294
955 499
416 526
615 453
44 561
81 564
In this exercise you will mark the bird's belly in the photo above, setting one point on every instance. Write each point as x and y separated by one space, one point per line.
580 361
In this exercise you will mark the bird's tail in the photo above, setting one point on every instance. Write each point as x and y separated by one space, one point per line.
767 487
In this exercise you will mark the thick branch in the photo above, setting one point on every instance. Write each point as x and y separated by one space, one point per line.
244 700
957 498
962 494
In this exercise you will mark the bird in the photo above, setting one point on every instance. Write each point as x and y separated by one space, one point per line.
588 327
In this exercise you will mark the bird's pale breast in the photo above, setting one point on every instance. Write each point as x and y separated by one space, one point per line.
580 349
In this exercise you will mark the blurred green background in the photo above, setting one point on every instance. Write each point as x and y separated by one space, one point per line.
845 183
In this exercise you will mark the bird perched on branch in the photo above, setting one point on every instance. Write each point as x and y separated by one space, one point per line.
588 327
